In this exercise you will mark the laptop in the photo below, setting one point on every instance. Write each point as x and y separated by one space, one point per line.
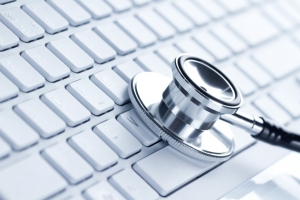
69 131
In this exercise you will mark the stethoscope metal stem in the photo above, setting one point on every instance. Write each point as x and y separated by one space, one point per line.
254 125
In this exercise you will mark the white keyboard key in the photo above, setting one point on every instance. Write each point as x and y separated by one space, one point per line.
71 54
21 24
4 149
191 47
272 110
72 11
15 131
133 123
174 17
9 91
46 63
118 138
102 191
41 118
46 16
231 40
255 72
21 73
132 186
212 8
234 6
245 85
258 29
65 160
114 36
212 45
94 150
113 85
138 31
91 96
119 5
66 106
95 46
157 24
272 11
192 12
288 96
98 9
168 53
280 58
140 2
31 178
7 38
290 10
151 62
128 70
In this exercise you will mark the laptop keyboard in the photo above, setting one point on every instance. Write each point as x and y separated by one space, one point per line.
67 128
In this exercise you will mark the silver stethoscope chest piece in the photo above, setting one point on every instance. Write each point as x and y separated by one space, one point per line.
184 111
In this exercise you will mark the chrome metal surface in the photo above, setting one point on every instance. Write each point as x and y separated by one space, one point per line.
253 124
146 94
209 80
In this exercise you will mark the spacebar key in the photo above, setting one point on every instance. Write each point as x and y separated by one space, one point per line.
32 178
168 169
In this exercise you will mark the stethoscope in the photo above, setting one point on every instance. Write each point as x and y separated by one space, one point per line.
190 111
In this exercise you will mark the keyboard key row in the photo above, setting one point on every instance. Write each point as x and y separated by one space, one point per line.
46 181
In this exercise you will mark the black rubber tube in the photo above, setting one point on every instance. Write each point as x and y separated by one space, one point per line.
278 135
